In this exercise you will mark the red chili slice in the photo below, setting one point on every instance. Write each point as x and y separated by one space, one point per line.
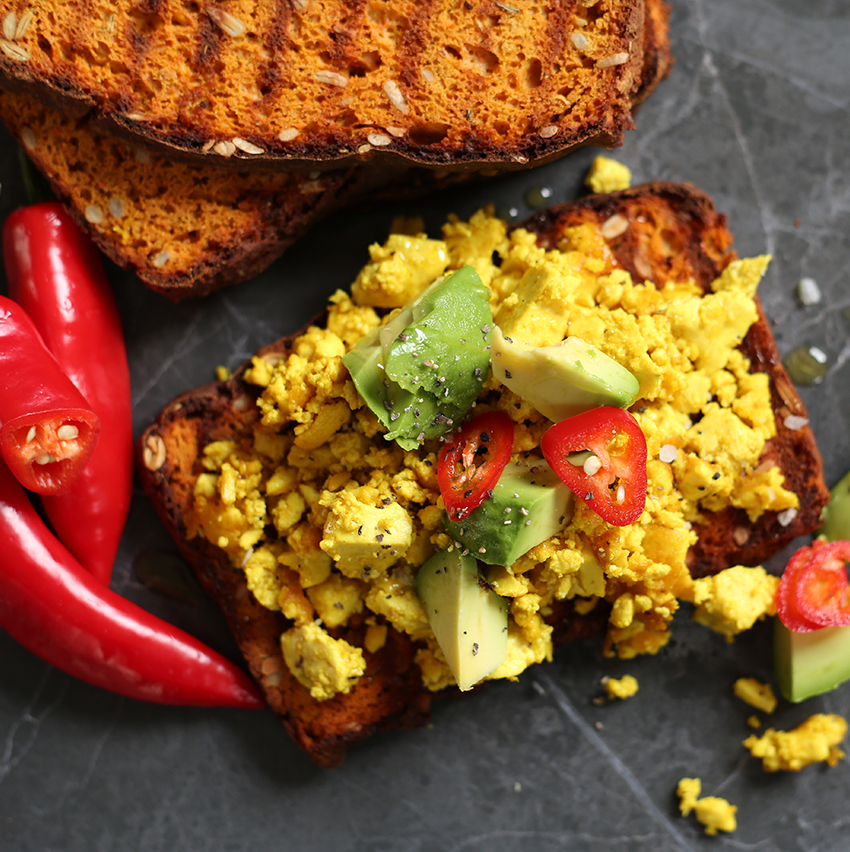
813 592
614 485
473 460
48 430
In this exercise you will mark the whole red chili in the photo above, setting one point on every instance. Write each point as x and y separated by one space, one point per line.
48 430
57 276
59 611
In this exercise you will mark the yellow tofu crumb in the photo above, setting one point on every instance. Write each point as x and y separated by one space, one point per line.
756 694
624 687
326 666
607 175
733 600
814 740
714 813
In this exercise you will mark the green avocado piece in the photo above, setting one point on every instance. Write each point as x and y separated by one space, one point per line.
808 664
529 504
563 380
421 371
469 620
812 663
836 515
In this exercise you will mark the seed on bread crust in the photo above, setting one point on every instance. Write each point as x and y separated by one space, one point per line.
154 453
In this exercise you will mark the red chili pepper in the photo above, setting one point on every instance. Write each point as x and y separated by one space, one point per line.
47 428
59 611
473 460
57 276
612 480
813 592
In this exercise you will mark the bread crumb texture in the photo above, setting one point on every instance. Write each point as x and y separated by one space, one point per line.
321 78
714 813
817 739
329 520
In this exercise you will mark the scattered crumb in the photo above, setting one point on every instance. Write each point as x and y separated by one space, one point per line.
714 813
607 175
755 693
808 291
624 687
222 374
814 740
754 721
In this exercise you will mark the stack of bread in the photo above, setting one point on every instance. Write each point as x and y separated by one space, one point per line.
196 142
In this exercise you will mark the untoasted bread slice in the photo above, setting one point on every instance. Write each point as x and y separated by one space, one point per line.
664 232
327 82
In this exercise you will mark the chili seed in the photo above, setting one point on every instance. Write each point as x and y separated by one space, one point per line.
31 434
46 458
67 432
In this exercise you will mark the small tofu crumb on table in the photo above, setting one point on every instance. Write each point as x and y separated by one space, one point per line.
714 813
814 740
624 687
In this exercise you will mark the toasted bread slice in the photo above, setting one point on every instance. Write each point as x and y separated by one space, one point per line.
662 232
189 228
447 84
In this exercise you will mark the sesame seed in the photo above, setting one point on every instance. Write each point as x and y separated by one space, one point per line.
226 22
28 137
396 97
116 208
613 226
288 134
14 51
162 258
224 148
808 291
579 40
398 132
247 147
740 536
331 78
24 24
134 116
364 149
207 146
549 131
786 517
613 59
794 422
10 24
93 214
668 453
378 139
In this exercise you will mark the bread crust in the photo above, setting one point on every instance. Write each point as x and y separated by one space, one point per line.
696 245
437 84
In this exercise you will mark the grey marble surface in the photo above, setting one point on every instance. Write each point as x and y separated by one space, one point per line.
756 114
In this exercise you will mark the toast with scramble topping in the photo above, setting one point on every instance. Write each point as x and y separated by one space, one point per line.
187 228
445 84
636 249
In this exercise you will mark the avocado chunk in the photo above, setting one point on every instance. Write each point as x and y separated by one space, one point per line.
808 664
812 663
836 515
421 371
563 380
469 620
530 503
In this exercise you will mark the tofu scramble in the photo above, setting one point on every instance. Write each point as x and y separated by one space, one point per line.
330 522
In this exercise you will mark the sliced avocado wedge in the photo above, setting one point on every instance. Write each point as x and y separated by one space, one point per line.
421 371
836 515
563 380
469 620
808 664
529 504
